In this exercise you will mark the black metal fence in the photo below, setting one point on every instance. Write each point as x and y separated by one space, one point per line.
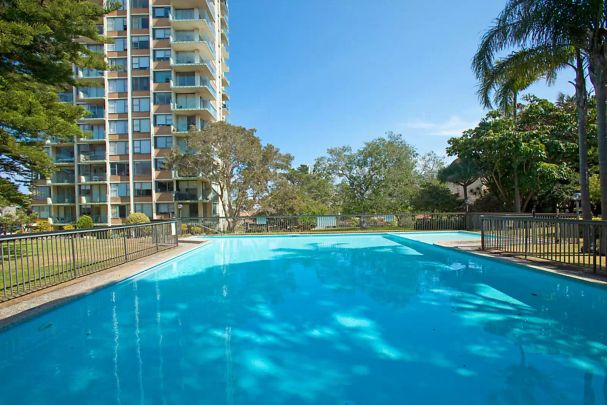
563 240
324 223
38 260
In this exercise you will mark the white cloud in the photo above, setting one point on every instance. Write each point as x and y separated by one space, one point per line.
454 126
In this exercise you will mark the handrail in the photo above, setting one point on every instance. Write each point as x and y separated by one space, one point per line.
78 231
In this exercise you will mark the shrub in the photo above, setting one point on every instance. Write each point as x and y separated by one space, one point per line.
84 222
68 227
137 218
42 225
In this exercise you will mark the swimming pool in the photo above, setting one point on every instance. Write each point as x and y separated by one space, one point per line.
357 319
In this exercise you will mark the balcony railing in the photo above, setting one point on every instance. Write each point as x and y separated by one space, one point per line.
64 200
64 158
85 157
187 196
195 105
87 199
57 179
92 178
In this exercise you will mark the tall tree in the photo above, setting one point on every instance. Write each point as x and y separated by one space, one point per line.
379 177
462 172
233 159
579 27
39 44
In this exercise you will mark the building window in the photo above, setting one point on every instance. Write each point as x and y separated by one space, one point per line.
119 211
117 64
119 148
143 189
116 24
144 208
118 106
162 76
141 104
141 125
119 127
119 2
140 22
140 4
162 33
162 98
163 120
142 168
142 146
141 83
163 142
161 12
141 62
162 54
140 42
165 208
95 48
41 192
117 85
160 164
119 168
119 45
119 189
44 212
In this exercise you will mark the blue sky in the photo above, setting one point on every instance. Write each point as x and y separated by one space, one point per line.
312 74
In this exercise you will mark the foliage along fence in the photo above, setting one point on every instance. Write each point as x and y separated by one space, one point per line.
38 260
562 240
325 223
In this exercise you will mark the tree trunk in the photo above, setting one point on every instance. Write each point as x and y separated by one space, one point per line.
597 76
517 192
581 101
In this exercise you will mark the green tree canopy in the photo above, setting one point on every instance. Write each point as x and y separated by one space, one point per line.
533 154
233 159
379 177
434 196
39 44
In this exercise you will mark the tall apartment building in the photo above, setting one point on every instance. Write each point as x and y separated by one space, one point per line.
168 74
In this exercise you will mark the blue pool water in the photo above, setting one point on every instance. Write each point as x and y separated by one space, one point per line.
343 319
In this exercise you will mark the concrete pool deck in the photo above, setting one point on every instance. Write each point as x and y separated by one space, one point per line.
31 304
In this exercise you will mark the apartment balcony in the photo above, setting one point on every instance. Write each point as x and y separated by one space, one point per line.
192 19
224 37
62 219
191 84
205 4
64 159
95 114
205 107
93 156
86 199
63 200
225 96
91 94
224 53
93 138
93 178
90 74
193 64
225 82
62 179
99 219
183 196
66 97
193 42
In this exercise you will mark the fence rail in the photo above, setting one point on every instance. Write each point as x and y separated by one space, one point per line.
324 223
563 240
33 261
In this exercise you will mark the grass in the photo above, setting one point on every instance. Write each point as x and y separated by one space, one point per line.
34 263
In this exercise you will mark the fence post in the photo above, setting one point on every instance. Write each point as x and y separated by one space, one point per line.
126 252
74 254
482 233
526 238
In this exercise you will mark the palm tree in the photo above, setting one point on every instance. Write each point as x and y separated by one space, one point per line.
525 26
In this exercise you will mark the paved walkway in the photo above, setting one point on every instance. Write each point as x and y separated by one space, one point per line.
30 304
